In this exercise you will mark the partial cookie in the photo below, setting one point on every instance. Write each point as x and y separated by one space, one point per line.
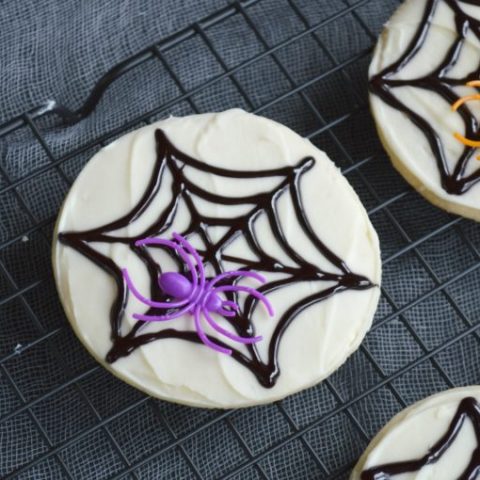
156 217
427 53
436 438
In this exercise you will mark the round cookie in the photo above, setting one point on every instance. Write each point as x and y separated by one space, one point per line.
436 438
427 53
156 216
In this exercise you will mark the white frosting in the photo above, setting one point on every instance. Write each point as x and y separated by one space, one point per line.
406 144
318 340
411 434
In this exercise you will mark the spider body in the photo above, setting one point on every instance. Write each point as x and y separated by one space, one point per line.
179 287
198 297
175 285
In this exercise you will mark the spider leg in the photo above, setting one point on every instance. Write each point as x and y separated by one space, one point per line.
191 250
230 335
226 313
251 291
204 338
181 251
146 300
231 304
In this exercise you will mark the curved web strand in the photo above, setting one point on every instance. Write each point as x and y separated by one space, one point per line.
236 273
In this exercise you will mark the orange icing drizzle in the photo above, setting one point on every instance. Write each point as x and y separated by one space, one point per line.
457 105
463 100
467 141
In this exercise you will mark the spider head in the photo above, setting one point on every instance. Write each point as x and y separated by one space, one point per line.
175 285
213 302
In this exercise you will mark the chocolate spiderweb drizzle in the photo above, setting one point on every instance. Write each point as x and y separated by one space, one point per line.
454 181
468 408
182 188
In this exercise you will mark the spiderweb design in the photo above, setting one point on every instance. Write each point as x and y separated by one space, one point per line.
183 189
467 409
453 180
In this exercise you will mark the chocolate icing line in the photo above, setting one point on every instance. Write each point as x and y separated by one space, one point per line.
169 157
468 408
383 83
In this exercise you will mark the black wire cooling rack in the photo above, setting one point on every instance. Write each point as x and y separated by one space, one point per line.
302 63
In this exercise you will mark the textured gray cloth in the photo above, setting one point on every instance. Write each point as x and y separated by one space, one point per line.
58 49
62 415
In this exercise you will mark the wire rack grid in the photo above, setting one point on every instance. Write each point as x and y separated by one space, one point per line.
304 64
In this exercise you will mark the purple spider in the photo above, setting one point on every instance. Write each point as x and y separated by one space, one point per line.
199 297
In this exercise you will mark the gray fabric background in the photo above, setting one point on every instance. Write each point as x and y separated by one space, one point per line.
61 414
58 49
